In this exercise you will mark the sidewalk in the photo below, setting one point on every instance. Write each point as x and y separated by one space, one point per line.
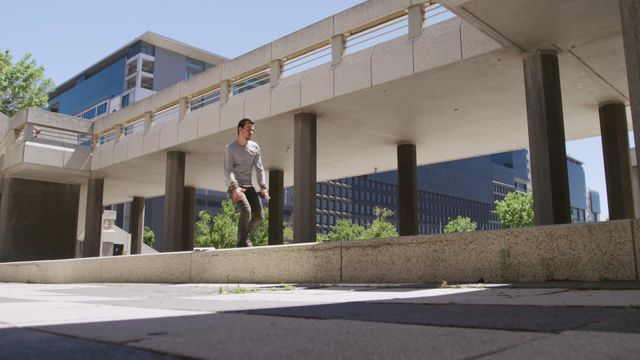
359 321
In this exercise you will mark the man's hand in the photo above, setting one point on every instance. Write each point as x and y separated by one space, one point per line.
236 194
265 193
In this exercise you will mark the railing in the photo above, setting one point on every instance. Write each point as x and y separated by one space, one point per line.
53 135
378 34
381 27
166 115
253 81
107 138
307 60
134 127
205 99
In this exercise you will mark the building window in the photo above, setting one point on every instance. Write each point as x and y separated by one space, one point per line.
101 109
124 101
89 114
193 67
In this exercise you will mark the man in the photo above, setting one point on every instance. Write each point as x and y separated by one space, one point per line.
240 157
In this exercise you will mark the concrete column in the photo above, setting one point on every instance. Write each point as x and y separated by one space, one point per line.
173 202
276 206
37 220
615 148
27 132
337 49
275 72
304 177
546 139
225 88
407 190
136 223
119 133
148 120
188 218
93 218
630 19
183 105
416 20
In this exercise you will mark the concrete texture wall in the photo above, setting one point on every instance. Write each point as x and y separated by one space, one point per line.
38 220
579 252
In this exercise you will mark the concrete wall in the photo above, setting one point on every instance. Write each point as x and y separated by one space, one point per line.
169 68
580 252
37 220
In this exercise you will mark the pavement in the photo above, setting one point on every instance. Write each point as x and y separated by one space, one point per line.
555 320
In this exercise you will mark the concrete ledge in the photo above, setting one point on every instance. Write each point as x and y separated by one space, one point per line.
310 263
149 268
581 252
52 271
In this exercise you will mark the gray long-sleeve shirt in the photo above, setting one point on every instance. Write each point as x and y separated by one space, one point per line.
239 161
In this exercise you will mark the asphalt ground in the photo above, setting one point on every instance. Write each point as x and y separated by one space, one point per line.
558 320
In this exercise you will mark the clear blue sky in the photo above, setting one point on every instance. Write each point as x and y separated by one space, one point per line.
67 36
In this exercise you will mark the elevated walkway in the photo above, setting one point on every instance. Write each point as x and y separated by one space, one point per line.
375 74
581 252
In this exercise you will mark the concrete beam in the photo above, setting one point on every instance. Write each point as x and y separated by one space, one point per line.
136 223
615 148
276 206
546 139
630 19
93 218
173 202
304 177
407 190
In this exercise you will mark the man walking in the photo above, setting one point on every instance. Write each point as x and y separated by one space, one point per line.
240 157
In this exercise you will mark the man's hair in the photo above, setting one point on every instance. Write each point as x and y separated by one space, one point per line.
244 122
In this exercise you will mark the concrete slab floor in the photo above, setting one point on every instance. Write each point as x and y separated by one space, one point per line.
317 321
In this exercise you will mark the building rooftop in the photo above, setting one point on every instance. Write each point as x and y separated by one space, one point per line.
148 37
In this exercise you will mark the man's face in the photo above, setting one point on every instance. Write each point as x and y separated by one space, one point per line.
247 131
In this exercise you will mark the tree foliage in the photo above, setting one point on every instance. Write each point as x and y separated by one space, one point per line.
221 231
22 84
346 230
343 230
516 210
148 236
380 227
460 224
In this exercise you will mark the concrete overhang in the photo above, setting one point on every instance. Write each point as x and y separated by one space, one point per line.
452 91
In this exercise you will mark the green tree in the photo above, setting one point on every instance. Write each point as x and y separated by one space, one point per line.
380 227
516 210
148 236
460 224
287 234
22 84
260 234
220 231
343 230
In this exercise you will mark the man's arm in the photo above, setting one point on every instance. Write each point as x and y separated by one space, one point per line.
230 177
264 189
